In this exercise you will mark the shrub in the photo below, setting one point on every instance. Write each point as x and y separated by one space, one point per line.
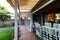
4 24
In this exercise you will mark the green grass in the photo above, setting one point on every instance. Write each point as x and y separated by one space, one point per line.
6 34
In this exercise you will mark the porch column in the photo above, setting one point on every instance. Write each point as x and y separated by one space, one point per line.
25 21
41 19
46 18
31 22
16 21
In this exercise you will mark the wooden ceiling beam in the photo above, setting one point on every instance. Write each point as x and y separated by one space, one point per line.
11 3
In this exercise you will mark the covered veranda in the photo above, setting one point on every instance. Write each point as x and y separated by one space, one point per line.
22 11
32 15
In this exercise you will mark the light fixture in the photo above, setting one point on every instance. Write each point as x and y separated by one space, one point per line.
28 18
24 10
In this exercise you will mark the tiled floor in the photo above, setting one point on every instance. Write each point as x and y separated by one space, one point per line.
26 35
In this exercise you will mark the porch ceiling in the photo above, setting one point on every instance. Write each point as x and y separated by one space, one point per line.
24 4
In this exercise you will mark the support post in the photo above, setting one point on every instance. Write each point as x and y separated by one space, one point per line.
31 22
41 19
16 21
46 18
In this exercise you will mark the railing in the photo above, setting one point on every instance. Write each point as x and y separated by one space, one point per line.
47 32
50 33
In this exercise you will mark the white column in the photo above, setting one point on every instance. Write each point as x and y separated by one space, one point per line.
26 21
31 22
19 21
16 21
46 18
42 19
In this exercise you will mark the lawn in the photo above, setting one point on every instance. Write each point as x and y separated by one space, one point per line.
6 34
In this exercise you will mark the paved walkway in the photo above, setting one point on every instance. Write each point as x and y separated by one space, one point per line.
26 35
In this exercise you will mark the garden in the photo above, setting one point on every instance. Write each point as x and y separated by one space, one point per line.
6 25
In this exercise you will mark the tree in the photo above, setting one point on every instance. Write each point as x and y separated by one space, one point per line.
5 17
4 14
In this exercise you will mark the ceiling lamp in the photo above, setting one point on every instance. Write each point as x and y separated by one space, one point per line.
24 10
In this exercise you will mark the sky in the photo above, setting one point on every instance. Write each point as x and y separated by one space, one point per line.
4 3
7 5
